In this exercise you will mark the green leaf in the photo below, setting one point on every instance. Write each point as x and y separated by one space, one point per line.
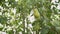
44 30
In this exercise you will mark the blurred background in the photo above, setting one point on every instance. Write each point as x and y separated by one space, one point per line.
29 16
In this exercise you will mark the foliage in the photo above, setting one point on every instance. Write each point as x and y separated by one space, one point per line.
14 16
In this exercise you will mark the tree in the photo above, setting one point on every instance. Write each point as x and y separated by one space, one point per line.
15 16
